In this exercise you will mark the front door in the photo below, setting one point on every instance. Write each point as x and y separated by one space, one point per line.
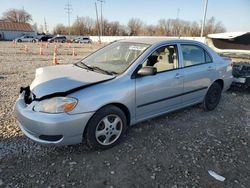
160 93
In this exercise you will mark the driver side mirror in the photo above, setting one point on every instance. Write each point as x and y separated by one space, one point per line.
147 71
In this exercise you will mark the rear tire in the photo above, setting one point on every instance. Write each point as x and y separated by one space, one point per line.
212 97
106 128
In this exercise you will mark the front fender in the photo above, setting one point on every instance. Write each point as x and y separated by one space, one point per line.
120 90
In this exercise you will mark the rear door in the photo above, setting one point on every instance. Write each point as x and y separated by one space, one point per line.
26 39
160 93
198 71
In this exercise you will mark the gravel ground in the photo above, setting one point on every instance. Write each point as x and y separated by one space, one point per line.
174 150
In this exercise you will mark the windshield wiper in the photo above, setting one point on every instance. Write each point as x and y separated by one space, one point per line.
102 70
83 65
87 66
93 68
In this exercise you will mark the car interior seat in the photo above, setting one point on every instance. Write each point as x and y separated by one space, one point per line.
173 56
151 60
164 61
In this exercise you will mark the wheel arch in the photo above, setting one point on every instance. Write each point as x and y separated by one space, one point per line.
121 106
220 82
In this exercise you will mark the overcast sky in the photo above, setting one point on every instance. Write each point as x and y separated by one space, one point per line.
234 14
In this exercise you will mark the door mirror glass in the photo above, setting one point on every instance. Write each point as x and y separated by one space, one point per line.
147 71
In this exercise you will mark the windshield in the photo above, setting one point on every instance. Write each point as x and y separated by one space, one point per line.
116 57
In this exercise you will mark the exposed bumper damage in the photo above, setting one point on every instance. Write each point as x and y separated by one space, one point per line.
241 73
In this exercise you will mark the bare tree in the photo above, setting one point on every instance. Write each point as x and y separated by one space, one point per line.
16 15
150 30
176 27
60 29
194 29
213 27
164 27
83 26
135 26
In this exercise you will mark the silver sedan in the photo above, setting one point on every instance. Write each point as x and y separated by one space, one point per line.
124 83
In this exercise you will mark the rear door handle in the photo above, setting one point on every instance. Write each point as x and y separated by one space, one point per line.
178 75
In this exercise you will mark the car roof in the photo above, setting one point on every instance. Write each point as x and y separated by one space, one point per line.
156 40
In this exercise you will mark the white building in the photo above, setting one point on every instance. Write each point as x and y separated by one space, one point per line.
12 30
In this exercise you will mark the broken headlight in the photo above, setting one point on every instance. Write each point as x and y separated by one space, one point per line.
56 105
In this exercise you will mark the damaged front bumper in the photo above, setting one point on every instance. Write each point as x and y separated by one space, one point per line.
54 129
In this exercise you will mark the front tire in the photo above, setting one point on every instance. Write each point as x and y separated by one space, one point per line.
212 97
106 128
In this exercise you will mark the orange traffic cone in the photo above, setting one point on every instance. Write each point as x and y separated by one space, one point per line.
14 42
73 52
55 60
26 50
41 51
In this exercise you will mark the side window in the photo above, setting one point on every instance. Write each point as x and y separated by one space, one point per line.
194 55
208 58
163 59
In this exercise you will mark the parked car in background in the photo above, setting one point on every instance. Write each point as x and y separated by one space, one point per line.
82 40
74 40
58 39
124 83
26 39
45 37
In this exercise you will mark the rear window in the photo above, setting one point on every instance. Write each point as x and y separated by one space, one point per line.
194 55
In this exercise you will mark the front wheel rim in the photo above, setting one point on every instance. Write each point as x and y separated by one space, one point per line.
214 97
109 130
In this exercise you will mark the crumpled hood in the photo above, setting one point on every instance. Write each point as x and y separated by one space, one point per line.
62 78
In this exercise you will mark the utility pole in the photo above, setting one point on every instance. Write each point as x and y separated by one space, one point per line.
97 20
178 31
78 25
101 25
204 18
68 9
45 26
178 13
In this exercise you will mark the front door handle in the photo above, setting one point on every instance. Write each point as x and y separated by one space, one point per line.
178 75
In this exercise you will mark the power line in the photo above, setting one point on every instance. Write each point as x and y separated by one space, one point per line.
68 9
